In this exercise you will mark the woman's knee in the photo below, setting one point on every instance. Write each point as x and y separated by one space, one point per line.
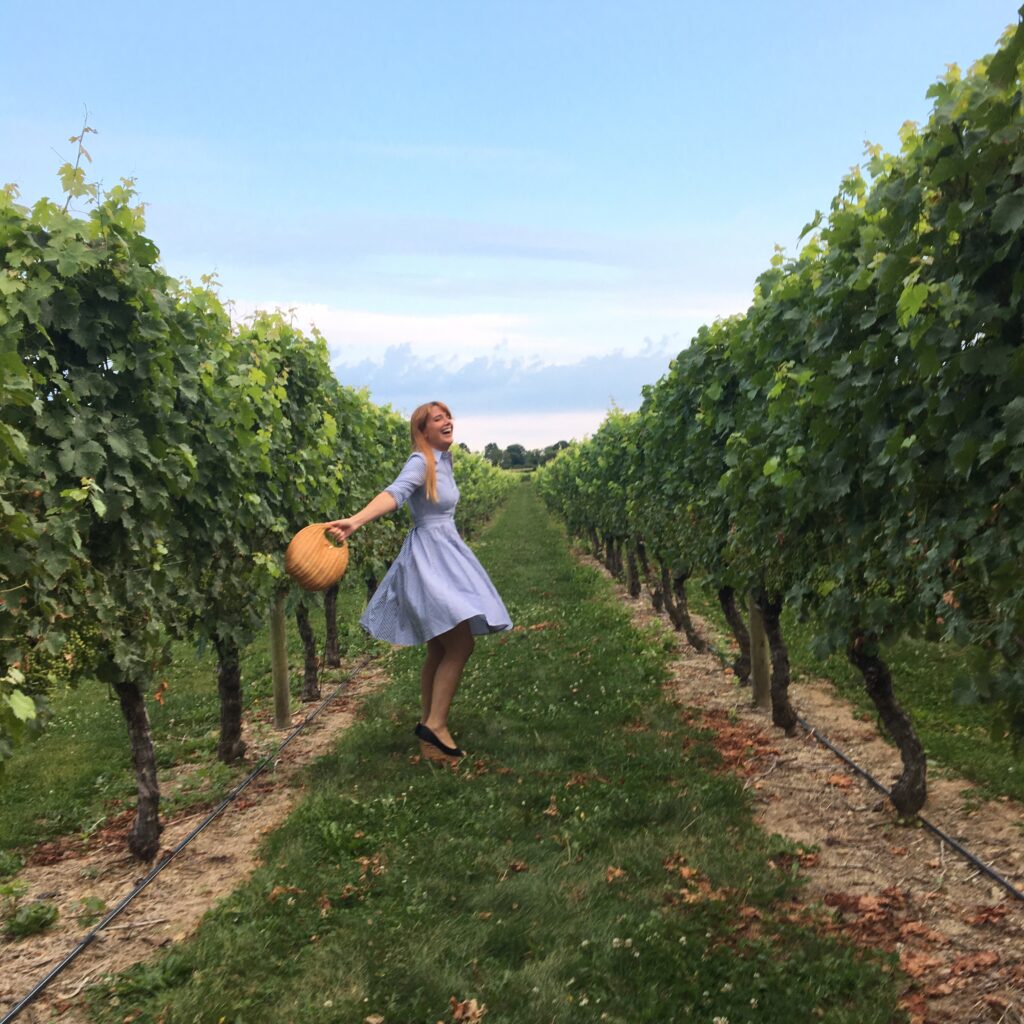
466 639
458 642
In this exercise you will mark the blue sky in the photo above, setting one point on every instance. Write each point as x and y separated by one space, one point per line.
523 208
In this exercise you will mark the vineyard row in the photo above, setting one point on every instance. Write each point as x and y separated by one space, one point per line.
853 446
155 459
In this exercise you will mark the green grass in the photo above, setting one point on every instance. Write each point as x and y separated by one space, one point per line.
78 773
397 885
956 738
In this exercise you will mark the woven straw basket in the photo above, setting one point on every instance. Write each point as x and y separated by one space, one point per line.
313 561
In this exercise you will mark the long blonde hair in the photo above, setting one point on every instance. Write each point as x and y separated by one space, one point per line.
417 425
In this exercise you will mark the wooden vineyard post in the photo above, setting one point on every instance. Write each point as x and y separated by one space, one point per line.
279 662
760 661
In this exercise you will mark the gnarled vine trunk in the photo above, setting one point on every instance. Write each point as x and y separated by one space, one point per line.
279 661
648 576
310 676
760 658
613 556
230 746
632 572
783 714
331 655
910 790
741 664
144 837
673 591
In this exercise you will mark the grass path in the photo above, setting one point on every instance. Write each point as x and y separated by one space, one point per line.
587 862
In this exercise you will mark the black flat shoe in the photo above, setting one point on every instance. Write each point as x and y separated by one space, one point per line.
427 736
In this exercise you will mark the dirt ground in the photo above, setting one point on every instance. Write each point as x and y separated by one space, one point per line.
170 908
959 936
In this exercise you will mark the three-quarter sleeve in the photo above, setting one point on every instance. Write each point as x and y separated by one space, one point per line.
413 475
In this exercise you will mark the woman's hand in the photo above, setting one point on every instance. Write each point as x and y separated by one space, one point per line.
342 529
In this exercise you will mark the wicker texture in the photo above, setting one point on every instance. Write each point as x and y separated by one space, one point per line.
313 561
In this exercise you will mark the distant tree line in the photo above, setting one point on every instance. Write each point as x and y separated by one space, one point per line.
515 456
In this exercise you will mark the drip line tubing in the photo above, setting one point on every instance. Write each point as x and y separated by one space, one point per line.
986 869
820 737
126 901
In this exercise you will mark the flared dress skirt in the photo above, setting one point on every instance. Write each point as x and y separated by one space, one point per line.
435 583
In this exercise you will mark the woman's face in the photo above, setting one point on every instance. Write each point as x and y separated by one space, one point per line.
440 429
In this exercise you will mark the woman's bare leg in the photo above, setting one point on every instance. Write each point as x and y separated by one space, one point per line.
435 652
457 645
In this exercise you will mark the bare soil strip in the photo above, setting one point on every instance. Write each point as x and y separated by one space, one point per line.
212 866
959 936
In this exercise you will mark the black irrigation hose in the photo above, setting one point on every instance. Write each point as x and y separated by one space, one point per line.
934 829
817 735
86 940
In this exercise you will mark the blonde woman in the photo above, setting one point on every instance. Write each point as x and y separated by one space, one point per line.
436 592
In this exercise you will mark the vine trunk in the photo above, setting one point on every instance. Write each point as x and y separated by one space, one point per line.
144 837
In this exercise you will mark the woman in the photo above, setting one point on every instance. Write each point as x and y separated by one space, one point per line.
436 592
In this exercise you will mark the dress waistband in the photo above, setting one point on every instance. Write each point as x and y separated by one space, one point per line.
434 524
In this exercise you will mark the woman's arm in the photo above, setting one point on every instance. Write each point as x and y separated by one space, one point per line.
413 474
342 529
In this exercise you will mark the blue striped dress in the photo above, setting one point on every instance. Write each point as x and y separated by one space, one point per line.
435 582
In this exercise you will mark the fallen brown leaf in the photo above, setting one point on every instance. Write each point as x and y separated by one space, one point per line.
281 890
840 781
987 915
469 1011
515 867
374 865
974 963
922 931
917 964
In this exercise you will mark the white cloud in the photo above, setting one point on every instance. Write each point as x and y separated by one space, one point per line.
361 335
532 430
504 386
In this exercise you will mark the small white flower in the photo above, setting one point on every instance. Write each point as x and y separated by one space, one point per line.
727 987
616 943
720 1020
753 1004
